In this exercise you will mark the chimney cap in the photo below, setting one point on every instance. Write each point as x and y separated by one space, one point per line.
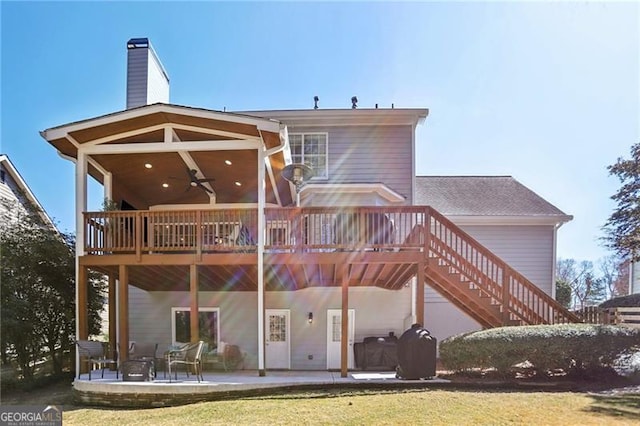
135 43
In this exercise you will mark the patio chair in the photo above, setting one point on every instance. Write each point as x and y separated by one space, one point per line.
229 356
189 356
95 354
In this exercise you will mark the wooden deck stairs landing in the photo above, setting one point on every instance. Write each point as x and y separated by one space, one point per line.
480 283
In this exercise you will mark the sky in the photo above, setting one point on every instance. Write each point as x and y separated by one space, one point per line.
546 92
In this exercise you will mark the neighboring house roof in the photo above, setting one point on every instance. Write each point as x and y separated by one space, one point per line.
499 197
21 191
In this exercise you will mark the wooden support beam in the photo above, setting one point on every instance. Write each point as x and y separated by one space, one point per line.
344 333
123 313
113 318
193 293
420 294
83 304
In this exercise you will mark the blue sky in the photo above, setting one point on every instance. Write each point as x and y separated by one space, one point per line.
546 92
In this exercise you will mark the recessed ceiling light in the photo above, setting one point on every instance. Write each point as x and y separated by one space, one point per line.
238 183
148 165
165 185
228 162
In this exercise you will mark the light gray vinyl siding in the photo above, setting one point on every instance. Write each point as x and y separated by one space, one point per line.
377 312
369 154
528 249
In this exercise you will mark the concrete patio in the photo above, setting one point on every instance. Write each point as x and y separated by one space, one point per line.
109 391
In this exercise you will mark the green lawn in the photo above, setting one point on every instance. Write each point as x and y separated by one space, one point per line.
437 407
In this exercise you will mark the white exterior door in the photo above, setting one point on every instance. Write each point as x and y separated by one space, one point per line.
334 332
277 339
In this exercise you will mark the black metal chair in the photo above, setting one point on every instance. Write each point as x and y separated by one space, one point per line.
95 354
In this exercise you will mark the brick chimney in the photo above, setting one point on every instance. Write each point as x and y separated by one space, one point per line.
147 81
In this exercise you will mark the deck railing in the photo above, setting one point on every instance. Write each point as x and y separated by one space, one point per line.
287 229
521 299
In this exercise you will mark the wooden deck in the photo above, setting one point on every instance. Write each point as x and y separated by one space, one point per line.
305 247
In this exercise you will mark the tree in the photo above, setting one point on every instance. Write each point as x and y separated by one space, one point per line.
615 276
563 293
37 278
622 229
586 288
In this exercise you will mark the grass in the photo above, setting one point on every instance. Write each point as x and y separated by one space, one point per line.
409 407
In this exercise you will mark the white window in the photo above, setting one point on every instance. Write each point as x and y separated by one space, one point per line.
208 323
311 149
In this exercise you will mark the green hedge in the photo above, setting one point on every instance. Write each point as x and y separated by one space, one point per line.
575 348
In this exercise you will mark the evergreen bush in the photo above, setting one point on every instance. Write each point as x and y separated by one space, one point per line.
581 349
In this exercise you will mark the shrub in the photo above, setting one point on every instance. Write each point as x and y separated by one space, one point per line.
584 349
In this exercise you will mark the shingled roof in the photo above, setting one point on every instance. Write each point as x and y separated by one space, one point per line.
483 196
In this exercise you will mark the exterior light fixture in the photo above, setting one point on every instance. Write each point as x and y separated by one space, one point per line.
148 165
310 317
165 185
228 162
297 174
238 183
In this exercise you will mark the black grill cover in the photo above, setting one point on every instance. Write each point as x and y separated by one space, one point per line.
416 354
137 371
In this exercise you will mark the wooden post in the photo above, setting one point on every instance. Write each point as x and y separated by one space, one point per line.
82 317
123 313
420 294
193 286
83 304
113 319
138 236
506 295
344 333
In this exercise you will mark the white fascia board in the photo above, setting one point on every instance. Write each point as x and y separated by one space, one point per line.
265 124
509 220
138 148
352 188
346 117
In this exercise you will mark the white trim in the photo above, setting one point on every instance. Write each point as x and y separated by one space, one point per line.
260 253
509 220
266 124
175 309
345 117
326 146
139 148
553 261
351 188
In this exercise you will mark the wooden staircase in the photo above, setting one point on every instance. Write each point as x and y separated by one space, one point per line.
480 283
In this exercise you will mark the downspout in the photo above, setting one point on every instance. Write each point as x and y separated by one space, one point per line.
284 143
263 156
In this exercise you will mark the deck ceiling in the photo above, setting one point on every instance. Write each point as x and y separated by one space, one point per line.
142 187
282 272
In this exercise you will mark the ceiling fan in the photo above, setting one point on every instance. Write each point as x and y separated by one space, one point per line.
196 182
